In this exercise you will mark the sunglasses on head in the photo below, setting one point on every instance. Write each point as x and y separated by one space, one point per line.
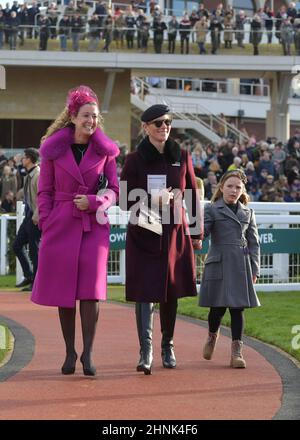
160 122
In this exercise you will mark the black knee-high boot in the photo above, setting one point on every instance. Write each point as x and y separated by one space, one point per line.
168 312
144 322
67 322
89 311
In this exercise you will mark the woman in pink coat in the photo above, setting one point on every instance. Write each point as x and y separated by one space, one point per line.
77 157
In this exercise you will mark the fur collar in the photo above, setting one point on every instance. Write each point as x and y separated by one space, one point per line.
150 154
59 142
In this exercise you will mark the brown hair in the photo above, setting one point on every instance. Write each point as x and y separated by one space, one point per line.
234 173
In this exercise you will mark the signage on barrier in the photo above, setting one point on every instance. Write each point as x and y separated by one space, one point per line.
272 241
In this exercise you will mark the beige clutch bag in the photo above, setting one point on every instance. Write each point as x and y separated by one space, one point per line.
150 219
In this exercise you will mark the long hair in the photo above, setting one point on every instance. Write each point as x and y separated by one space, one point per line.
64 120
244 198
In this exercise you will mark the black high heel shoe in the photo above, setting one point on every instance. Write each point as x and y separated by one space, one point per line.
69 364
88 369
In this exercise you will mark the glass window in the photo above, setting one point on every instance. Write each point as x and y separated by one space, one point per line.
246 5
178 7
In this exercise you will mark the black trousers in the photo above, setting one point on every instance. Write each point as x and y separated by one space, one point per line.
28 234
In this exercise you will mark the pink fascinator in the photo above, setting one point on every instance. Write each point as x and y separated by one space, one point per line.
79 96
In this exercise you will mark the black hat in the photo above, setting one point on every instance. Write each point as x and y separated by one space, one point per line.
155 111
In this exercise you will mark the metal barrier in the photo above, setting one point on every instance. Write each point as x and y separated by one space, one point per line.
280 269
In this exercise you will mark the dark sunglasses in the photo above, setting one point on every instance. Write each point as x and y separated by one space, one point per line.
160 122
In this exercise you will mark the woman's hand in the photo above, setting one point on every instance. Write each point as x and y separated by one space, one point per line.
197 244
163 197
254 279
81 202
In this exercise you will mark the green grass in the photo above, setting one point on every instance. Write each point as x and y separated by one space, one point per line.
264 49
271 323
7 340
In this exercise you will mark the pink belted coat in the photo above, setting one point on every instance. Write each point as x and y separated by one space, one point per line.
74 246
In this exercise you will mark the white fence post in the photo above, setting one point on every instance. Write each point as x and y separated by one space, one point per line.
3 245
19 219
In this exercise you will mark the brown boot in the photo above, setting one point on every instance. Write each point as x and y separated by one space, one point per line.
210 344
237 360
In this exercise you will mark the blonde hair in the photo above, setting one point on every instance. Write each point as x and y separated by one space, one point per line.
64 120
244 198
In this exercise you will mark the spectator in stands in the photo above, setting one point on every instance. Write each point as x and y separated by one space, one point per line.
240 28
201 29
185 27
256 33
130 24
268 19
159 26
77 158
194 17
240 262
76 29
33 12
107 31
94 33
210 184
29 233
24 22
13 29
215 33
52 15
173 27
286 35
44 26
9 203
8 181
144 33
120 24
172 273
228 30
64 31
254 193
236 164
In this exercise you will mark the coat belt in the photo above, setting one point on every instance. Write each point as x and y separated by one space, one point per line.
61 196
234 242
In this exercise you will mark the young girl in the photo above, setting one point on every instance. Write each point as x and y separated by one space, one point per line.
232 263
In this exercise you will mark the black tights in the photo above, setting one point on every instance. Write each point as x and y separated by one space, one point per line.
89 311
237 321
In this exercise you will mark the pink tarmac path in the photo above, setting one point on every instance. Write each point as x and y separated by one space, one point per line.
195 390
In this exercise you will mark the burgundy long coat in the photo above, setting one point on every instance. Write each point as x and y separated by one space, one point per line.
74 246
160 266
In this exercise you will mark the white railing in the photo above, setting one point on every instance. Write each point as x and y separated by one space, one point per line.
276 268
200 112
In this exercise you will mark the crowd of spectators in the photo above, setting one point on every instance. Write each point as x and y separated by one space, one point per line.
140 20
272 167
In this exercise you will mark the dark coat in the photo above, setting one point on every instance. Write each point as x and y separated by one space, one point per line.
232 259
158 267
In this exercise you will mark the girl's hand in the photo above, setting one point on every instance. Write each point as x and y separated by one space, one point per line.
81 202
197 244
254 278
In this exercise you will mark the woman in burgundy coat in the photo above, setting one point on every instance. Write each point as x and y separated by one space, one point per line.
76 155
159 257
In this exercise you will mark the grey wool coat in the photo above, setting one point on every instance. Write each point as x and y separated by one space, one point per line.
232 259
